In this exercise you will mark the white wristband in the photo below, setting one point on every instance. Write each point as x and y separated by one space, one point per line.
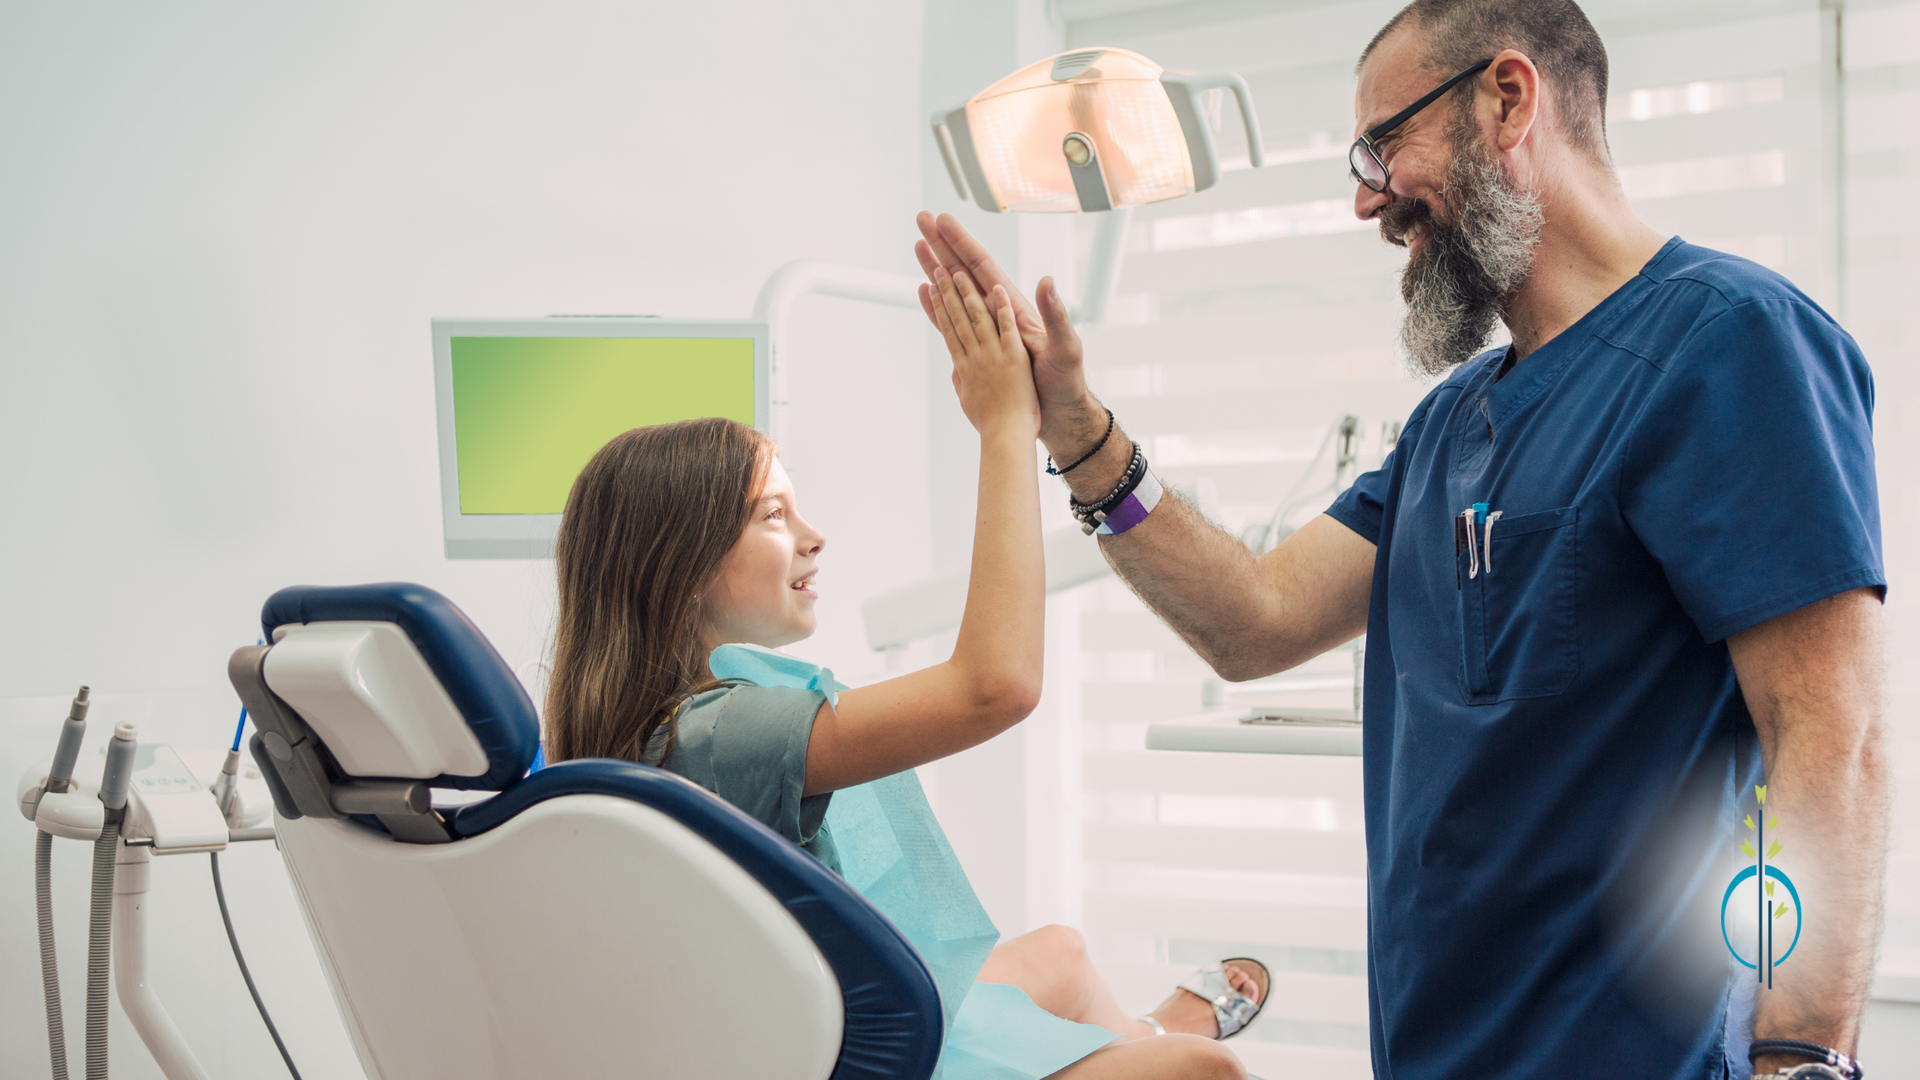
1134 508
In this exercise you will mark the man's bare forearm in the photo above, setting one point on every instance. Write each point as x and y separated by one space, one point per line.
1832 809
1245 616
1813 686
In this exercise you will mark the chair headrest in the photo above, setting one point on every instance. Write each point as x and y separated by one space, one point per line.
469 674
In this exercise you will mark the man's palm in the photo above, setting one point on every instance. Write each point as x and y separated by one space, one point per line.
1050 338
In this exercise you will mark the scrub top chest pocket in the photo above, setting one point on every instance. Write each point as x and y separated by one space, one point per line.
1518 631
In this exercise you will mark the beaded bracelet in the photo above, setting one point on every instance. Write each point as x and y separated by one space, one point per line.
1127 478
1094 515
1051 471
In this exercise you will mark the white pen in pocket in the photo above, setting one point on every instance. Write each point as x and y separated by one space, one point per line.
1475 526
1468 518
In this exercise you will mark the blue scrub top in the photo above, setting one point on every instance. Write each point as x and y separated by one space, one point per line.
1556 748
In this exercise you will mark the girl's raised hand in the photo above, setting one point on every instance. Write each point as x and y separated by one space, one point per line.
991 370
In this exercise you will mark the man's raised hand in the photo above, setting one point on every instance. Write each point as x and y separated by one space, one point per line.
1045 327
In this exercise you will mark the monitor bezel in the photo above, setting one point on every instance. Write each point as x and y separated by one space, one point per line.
531 536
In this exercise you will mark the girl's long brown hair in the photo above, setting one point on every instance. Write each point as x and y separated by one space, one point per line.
646 527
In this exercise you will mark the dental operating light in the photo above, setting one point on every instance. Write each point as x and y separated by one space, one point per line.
1087 130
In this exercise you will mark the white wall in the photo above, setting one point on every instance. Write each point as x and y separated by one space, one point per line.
223 228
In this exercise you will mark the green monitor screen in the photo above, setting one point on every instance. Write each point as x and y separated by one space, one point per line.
530 404
528 412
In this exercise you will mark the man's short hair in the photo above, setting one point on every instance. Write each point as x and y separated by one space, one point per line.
1554 34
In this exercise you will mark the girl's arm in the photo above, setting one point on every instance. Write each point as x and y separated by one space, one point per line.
992 680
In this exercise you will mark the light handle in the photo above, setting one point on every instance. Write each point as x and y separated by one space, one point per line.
1184 92
943 135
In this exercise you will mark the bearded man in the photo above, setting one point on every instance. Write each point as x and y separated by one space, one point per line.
1614 577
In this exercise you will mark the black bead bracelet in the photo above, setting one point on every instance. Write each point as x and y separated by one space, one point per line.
1092 514
1052 471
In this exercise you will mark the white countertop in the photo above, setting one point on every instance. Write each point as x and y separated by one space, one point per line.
1326 732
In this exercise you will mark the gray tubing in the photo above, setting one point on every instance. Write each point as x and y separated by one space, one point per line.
98 938
49 963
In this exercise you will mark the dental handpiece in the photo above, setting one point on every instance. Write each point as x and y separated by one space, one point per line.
119 773
60 777
226 786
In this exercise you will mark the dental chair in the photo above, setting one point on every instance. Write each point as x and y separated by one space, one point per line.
598 918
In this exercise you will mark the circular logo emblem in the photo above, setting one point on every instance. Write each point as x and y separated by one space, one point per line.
1740 917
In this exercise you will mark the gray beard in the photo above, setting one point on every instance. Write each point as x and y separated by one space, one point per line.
1457 286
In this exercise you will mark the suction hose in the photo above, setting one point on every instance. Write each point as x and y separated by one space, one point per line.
99 939
49 969
59 779
113 795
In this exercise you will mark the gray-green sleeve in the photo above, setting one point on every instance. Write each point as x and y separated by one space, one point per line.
748 745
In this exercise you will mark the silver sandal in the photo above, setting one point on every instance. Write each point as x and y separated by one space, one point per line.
1232 1010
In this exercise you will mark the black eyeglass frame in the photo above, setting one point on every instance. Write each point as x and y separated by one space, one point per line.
1365 144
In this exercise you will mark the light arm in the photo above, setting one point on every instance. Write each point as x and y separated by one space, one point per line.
813 277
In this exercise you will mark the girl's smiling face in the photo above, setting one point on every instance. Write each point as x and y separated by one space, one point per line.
764 593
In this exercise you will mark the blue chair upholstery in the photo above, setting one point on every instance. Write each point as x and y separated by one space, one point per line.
892 1010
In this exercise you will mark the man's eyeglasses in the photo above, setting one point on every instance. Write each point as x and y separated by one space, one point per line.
1363 159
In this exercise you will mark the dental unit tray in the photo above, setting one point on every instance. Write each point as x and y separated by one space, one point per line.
169 808
1298 718
1261 729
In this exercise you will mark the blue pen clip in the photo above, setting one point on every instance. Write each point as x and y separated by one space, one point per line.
1483 554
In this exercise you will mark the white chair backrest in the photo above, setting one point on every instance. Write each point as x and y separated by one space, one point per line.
587 937
369 695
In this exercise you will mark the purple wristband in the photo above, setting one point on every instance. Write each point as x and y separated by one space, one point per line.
1134 508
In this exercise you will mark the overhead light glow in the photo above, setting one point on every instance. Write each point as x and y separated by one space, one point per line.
1136 134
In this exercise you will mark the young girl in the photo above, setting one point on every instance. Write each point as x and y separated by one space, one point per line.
681 539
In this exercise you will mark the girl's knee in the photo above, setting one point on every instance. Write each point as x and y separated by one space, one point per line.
1202 1058
1062 943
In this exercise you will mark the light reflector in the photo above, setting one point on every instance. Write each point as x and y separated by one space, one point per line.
1013 144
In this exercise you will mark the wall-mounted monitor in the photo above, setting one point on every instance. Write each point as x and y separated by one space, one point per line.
523 403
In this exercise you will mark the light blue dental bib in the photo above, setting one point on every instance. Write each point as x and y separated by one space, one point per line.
893 852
